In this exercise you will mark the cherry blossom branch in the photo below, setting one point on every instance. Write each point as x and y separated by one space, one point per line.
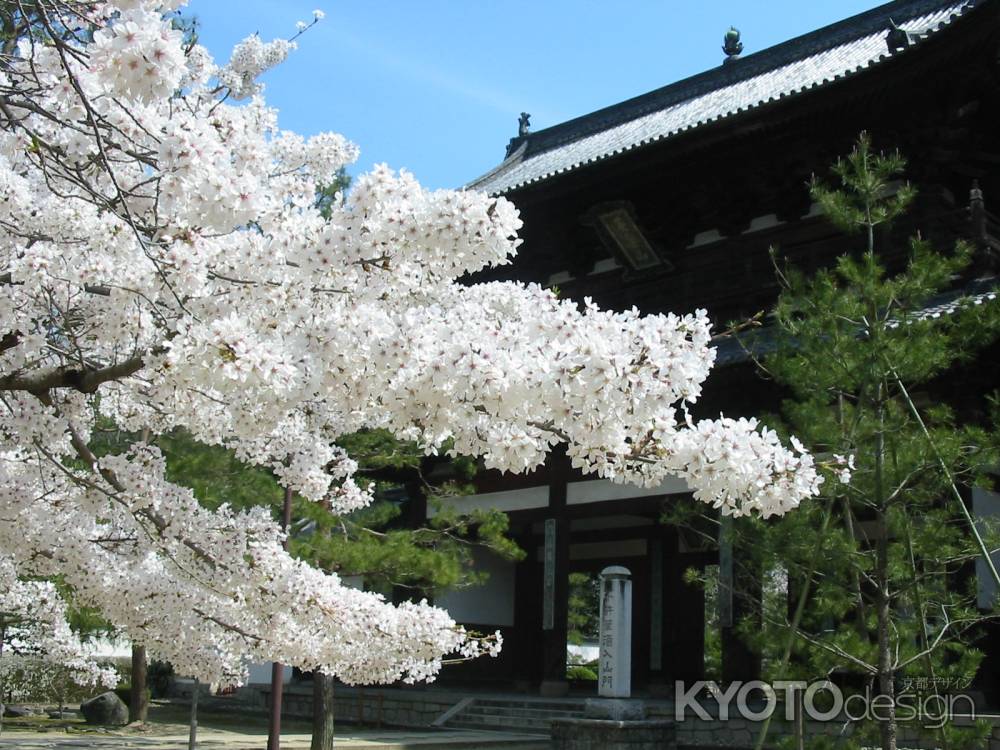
84 380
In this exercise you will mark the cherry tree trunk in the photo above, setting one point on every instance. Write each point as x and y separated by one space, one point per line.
138 704
193 719
322 732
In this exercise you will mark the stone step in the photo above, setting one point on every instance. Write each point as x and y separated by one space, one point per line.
507 722
556 705
497 722
540 729
477 710
522 715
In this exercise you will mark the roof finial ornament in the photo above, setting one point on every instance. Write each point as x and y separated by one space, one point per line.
523 124
523 128
898 38
977 210
731 44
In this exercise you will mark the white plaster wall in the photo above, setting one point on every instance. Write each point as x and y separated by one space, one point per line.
260 674
489 604
577 493
602 490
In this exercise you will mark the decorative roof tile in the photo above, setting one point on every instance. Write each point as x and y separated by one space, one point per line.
807 62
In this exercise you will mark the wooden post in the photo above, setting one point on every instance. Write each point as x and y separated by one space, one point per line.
726 577
656 605
684 653
740 591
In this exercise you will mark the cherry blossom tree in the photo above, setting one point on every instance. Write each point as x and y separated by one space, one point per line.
163 266
39 651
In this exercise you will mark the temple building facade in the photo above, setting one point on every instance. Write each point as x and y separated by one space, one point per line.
670 202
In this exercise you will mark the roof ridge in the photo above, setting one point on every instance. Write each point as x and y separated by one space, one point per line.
741 69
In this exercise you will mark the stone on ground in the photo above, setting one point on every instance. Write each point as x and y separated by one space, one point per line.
16 712
107 709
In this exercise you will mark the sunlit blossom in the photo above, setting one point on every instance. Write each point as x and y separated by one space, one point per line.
180 257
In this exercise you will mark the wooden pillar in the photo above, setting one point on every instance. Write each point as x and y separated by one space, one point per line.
684 619
661 547
555 579
525 650
737 572
641 618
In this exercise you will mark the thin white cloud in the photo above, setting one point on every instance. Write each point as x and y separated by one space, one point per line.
432 76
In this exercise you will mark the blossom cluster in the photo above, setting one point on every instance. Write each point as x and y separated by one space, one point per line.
164 266
34 618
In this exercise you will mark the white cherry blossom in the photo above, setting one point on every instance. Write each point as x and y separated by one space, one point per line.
35 626
163 266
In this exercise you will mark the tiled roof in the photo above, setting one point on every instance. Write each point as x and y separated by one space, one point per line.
790 68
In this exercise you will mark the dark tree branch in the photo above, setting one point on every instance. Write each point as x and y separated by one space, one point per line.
85 380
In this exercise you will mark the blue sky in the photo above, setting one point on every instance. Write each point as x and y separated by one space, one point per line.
435 86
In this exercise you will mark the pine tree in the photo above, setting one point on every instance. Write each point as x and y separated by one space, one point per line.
880 591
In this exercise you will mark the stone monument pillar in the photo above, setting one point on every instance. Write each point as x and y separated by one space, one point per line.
614 721
614 678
